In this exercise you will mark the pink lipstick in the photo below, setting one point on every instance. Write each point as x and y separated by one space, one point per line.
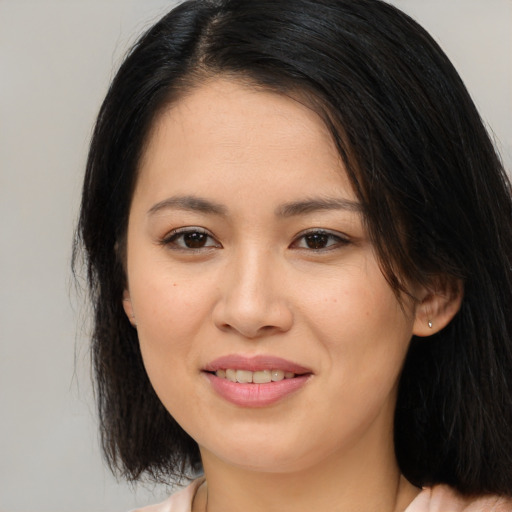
256 381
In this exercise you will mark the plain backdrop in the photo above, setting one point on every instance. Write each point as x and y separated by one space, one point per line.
56 60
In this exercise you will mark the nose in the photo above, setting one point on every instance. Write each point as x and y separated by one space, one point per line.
253 301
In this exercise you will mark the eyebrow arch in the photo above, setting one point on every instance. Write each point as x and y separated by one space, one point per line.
317 204
189 203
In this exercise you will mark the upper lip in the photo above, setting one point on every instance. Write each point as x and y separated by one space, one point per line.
255 363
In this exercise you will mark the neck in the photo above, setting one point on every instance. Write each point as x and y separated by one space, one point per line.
342 482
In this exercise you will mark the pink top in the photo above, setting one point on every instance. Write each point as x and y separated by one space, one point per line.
439 498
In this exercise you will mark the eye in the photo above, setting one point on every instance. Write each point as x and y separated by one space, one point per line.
190 238
319 239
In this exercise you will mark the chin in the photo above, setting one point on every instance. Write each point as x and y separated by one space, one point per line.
268 453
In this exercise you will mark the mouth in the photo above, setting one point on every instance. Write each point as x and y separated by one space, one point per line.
275 366
256 381
257 377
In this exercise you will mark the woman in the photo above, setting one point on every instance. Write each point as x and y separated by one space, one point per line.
299 240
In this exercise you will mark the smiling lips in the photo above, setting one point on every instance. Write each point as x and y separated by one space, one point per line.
255 381
258 377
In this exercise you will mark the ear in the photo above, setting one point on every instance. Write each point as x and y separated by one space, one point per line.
437 306
128 308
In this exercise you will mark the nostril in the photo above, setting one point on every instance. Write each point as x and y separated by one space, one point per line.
252 318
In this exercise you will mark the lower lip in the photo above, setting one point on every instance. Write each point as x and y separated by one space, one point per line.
256 395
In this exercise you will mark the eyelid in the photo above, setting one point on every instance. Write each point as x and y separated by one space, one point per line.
342 239
169 239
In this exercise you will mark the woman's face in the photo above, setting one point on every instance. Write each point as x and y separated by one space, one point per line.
247 259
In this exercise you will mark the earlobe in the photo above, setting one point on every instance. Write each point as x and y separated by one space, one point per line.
128 308
437 308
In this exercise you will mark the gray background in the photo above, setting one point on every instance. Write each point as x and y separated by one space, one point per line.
56 60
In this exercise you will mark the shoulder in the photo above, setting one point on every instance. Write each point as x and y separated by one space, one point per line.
442 498
178 502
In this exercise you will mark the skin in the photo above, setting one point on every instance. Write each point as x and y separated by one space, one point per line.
255 286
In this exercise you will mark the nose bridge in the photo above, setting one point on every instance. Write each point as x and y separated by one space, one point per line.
253 302
251 288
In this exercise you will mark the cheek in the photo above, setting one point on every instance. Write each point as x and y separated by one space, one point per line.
169 307
356 300
362 327
171 314
170 318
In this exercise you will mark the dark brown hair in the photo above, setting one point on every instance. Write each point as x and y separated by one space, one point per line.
436 200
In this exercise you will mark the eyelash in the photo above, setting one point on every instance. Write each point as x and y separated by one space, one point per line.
321 235
171 239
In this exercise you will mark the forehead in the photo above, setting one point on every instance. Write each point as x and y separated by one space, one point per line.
225 130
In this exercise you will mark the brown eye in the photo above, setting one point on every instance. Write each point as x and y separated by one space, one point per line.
316 240
195 240
190 239
319 240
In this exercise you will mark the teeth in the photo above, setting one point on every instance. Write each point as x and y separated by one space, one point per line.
243 376
262 377
258 377
277 375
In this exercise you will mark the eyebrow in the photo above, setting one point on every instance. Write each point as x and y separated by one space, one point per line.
317 204
295 208
189 203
